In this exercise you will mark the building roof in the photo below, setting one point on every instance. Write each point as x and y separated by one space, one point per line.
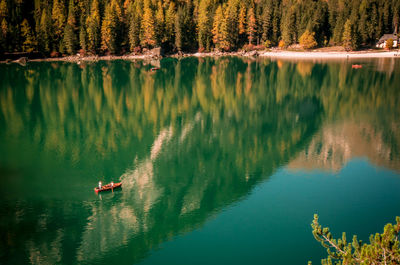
385 37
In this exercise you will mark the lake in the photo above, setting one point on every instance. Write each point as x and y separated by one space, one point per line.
222 160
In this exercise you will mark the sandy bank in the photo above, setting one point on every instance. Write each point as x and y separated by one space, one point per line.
331 55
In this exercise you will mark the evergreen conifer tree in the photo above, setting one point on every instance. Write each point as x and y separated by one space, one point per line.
148 34
276 21
58 17
83 38
160 24
3 9
3 35
373 31
134 25
179 29
109 29
242 19
363 20
45 32
170 17
251 25
267 21
83 9
220 30
232 23
70 39
204 25
3 26
93 27
189 27
348 39
288 24
218 17
29 39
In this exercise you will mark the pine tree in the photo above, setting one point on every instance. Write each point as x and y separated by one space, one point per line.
242 19
288 25
83 11
348 39
58 17
122 38
204 25
225 43
267 21
189 27
170 17
71 19
232 23
160 24
218 17
220 31
3 26
70 39
93 27
373 30
127 8
318 22
109 29
276 21
179 20
134 25
3 35
123 20
133 34
3 9
396 16
148 34
363 20
83 42
387 22
45 32
29 43
251 26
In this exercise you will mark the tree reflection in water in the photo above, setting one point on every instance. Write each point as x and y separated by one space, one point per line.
186 142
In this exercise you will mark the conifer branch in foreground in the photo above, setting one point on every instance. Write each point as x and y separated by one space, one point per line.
383 248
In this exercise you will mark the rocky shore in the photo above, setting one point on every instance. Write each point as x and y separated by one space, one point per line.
284 54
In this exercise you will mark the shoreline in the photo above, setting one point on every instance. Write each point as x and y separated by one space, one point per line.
278 54
332 54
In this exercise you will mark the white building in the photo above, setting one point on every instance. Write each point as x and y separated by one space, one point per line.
382 41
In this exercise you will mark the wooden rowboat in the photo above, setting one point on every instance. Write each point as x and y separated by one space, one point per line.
108 187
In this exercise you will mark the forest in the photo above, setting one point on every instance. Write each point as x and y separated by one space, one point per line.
55 27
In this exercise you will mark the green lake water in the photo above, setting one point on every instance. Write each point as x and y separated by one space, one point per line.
222 161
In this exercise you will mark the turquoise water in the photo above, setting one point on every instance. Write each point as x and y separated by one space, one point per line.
222 160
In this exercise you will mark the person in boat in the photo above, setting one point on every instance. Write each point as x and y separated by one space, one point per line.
100 185
112 184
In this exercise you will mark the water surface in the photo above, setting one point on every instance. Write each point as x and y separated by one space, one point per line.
222 160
